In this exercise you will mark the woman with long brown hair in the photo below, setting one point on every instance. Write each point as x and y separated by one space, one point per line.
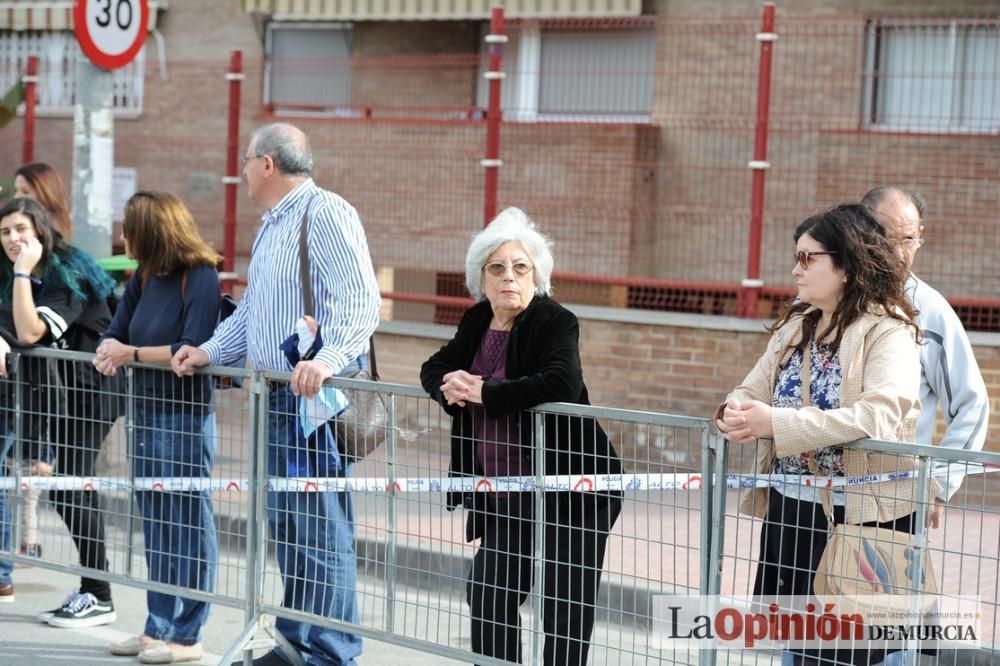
170 301
842 364
43 184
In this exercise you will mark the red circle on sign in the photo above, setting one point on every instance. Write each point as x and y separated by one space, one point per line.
90 47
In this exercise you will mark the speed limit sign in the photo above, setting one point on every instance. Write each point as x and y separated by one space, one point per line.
111 32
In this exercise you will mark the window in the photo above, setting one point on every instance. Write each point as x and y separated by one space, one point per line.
933 76
577 74
308 68
58 54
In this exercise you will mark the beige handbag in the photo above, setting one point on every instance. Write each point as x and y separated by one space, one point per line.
873 572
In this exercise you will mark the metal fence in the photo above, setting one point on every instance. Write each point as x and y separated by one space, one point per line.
678 533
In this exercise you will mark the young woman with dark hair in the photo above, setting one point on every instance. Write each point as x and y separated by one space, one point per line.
52 293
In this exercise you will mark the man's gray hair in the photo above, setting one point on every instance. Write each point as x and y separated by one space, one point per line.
287 145
877 195
510 225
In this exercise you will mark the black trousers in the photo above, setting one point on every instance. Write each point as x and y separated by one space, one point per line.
576 533
76 455
791 544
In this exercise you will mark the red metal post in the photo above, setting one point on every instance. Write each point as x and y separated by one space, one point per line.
30 82
232 179
496 40
751 285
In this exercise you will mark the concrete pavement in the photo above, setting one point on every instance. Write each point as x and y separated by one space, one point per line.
23 640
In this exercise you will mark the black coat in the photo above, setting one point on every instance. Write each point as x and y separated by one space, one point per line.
542 365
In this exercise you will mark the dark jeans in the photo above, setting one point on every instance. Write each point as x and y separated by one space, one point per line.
576 533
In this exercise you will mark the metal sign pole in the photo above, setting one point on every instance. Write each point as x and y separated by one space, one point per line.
93 159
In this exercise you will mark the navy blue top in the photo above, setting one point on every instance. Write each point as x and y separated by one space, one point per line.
169 310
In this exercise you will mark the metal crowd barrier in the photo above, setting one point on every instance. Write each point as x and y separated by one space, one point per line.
678 533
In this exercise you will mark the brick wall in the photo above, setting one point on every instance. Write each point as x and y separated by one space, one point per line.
669 200
668 368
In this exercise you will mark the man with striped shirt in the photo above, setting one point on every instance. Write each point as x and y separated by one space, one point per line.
313 532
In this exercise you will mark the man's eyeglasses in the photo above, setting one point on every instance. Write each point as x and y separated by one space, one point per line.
805 258
497 269
245 159
909 242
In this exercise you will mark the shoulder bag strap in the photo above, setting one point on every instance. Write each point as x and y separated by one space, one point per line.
307 296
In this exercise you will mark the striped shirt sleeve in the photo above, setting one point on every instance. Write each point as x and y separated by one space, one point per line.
343 278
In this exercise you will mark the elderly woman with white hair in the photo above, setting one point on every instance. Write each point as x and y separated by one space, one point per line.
514 349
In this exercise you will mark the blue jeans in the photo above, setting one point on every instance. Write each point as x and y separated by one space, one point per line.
6 519
313 534
178 527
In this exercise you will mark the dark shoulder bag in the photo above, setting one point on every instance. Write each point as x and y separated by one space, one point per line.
361 428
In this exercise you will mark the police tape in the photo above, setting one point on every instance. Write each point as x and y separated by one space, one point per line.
381 484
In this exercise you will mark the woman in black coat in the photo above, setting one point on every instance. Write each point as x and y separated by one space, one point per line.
515 349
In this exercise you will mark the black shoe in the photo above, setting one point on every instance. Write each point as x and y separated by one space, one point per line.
45 616
85 610
272 658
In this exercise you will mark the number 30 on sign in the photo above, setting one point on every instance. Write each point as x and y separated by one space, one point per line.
111 32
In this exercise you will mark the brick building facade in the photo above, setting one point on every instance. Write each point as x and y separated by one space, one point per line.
666 196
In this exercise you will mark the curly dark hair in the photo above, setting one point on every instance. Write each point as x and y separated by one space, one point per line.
876 277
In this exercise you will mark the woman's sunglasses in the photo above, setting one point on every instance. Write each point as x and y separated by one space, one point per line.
805 258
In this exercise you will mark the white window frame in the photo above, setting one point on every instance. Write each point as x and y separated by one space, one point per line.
527 85
336 112
954 63
58 54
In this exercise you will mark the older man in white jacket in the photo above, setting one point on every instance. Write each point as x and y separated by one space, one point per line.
950 374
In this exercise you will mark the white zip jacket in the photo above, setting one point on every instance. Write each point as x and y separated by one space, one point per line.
950 378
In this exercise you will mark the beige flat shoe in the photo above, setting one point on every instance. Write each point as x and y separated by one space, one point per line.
130 647
164 654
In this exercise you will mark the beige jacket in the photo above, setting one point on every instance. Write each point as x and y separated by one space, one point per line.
879 398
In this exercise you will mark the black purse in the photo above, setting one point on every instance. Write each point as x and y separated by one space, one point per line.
361 428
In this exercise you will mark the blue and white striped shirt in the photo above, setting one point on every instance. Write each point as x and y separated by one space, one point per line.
345 293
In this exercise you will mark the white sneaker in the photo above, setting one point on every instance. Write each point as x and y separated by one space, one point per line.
45 616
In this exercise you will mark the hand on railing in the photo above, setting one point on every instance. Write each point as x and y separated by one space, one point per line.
308 377
111 355
742 423
187 360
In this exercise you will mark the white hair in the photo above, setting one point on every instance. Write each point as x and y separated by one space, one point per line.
510 225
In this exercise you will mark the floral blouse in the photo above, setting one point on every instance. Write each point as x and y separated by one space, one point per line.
824 392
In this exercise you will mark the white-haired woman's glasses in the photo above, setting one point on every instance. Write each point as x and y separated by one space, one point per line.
497 268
